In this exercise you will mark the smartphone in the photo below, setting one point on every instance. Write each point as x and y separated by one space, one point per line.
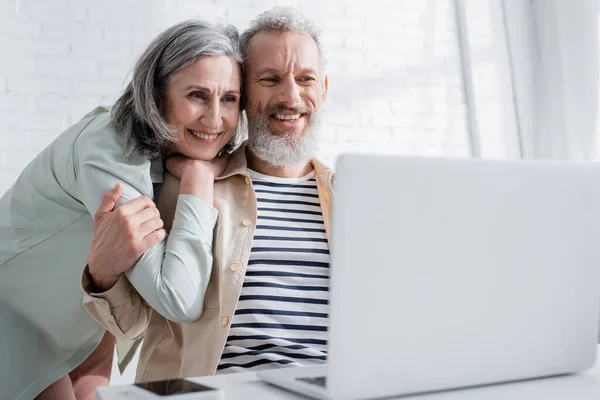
177 389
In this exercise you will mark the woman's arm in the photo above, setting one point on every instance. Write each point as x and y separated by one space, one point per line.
120 238
187 238
172 276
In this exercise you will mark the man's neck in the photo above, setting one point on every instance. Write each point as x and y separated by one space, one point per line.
289 171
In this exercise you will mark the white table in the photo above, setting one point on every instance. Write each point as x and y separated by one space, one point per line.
584 386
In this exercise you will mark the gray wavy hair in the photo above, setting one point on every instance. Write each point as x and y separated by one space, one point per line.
283 19
139 113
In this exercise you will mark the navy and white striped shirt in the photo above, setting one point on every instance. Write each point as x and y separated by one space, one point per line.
281 317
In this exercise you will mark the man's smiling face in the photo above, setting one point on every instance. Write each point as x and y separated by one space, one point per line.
285 90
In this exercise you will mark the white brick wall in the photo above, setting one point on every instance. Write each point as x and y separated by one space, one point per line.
395 83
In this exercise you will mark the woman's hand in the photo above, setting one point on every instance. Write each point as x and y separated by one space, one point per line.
181 166
197 177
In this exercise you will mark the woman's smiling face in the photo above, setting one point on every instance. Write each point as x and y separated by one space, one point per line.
203 105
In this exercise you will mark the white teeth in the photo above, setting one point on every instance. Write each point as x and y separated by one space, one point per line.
203 136
286 117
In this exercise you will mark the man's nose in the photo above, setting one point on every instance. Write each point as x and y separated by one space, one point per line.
289 94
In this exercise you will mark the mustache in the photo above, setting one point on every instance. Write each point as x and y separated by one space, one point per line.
280 107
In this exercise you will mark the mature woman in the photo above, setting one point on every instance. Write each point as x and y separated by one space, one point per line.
183 101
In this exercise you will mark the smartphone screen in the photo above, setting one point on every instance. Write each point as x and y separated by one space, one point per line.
173 386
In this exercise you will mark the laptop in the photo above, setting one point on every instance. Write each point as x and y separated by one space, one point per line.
452 273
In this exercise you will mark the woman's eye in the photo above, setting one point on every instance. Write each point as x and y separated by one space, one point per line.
230 99
197 95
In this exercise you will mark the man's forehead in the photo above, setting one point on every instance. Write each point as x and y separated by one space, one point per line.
268 47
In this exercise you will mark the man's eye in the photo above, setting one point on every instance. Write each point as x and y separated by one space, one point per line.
270 79
306 78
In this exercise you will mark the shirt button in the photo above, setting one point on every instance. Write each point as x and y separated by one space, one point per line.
224 321
246 222
235 267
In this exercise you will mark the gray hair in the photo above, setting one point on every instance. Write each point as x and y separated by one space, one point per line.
139 113
283 19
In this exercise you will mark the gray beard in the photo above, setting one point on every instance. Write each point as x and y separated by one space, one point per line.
284 149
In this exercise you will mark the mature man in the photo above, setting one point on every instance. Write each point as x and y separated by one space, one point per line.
266 301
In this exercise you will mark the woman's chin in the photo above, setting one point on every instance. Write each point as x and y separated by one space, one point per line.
203 158
203 155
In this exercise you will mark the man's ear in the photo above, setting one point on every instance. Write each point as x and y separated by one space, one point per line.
325 87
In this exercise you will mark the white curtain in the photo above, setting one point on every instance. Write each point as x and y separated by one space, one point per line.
555 73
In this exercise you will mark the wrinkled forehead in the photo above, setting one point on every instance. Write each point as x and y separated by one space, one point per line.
282 50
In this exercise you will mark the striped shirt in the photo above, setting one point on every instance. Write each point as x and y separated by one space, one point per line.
281 316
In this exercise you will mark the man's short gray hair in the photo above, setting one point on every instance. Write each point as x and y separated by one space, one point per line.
283 19
139 113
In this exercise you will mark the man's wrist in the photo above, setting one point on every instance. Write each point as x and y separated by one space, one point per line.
102 283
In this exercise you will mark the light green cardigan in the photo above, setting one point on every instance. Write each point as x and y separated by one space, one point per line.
46 229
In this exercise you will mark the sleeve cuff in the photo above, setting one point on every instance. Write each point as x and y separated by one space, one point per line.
116 295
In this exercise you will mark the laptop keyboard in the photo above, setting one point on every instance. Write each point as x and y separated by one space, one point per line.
319 380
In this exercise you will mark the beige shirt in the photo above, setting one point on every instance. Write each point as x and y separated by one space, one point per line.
173 350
